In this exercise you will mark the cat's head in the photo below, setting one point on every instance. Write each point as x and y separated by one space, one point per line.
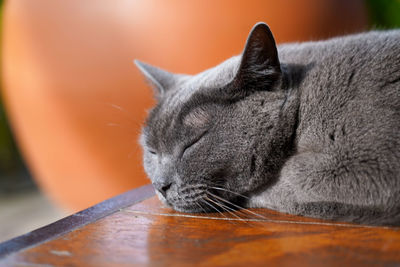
216 135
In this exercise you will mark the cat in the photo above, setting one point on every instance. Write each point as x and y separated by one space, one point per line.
310 129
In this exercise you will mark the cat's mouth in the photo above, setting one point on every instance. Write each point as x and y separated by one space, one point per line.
188 198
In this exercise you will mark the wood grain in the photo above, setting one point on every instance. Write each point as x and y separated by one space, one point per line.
76 220
148 234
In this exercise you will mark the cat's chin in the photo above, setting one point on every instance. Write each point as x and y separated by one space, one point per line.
188 209
162 199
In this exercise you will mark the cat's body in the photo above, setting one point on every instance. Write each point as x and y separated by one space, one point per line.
315 131
347 144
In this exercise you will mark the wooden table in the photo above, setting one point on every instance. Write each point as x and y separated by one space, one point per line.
134 229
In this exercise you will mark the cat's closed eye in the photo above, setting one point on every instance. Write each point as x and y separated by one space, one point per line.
193 142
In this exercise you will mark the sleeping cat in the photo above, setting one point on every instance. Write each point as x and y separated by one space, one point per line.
311 129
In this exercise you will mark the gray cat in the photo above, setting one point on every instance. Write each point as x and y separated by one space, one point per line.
311 129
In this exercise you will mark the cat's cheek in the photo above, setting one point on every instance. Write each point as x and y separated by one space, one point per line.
148 165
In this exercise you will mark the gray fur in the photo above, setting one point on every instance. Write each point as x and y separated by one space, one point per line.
313 131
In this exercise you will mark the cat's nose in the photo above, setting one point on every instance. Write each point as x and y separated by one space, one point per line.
162 187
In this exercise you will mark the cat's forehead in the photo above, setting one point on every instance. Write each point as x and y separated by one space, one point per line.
187 86
217 76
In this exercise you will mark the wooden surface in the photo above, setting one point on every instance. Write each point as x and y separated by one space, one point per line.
145 233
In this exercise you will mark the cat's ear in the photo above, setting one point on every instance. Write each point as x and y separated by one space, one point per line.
160 79
259 66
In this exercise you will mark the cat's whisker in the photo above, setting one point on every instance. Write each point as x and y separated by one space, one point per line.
201 207
191 187
237 206
113 124
226 208
127 116
210 205
214 208
222 205
224 189
241 212
124 127
120 109
116 106
219 204
231 210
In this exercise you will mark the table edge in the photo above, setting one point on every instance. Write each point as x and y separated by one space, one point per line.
76 220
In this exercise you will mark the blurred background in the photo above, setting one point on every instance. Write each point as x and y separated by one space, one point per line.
72 103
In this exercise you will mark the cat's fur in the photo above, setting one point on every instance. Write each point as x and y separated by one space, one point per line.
314 131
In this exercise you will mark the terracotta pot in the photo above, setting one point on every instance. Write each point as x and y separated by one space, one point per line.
75 100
